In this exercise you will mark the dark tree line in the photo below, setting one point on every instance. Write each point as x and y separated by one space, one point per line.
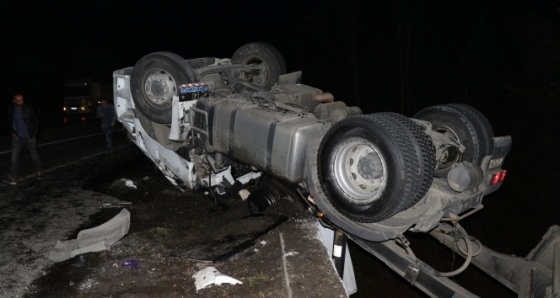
404 55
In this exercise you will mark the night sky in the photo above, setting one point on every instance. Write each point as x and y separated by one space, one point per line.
399 56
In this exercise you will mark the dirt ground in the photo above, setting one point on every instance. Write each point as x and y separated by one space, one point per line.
172 236
166 244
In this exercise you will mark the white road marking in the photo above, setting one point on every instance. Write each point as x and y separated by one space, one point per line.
68 163
62 141
286 276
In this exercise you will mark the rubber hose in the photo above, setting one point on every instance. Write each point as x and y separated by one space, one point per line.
459 270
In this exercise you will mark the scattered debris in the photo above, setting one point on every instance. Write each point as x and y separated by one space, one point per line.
94 239
132 264
116 205
211 275
129 183
244 194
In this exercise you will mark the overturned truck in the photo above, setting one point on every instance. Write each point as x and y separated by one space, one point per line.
225 124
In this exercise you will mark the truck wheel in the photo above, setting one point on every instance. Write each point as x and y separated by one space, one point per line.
374 166
154 81
466 125
269 60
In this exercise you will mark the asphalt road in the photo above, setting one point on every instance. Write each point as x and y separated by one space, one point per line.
34 214
172 233
60 146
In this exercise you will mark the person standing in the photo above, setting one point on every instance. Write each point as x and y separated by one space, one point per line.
23 123
106 112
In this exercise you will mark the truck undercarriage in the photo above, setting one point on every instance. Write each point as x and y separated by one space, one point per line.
244 123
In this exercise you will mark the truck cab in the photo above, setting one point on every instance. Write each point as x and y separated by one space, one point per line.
81 96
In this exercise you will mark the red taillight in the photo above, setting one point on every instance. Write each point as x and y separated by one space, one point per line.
498 177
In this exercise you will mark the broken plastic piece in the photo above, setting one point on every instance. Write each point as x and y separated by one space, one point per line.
210 275
244 194
129 183
94 239
132 264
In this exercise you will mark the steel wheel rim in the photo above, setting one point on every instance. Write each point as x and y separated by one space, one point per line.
159 88
360 171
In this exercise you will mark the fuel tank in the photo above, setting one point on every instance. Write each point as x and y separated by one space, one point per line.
259 132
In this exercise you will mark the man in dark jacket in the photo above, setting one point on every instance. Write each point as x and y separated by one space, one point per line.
22 120
106 112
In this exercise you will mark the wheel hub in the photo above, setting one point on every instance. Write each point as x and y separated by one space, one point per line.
360 171
447 155
256 76
159 87
369 167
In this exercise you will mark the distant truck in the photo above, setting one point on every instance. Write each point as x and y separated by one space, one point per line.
81 96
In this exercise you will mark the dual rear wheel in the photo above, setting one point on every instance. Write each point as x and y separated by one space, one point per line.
371 167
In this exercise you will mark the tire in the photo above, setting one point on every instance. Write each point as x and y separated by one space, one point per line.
374 166
264 55
154 81
464 124
201 62
262 198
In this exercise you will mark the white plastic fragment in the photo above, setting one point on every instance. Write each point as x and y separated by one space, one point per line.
129 183
244 194
211 275
94 239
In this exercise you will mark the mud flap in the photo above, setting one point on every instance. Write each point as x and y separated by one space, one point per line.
94 239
